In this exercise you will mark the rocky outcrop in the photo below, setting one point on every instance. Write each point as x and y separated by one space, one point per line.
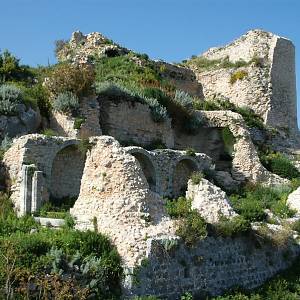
209 200
82 48
25 121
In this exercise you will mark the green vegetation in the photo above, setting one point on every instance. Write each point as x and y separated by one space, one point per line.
205 64
196 177
49 132
65 77
116 92
192 227
238 75
250 118
66 102
279 164
11 70
60 264
190 152
78 122
232 227
10 98
253 200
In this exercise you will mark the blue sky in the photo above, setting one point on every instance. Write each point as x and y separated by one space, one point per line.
168 29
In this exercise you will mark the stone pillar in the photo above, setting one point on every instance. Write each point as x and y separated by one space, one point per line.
26 189
37 190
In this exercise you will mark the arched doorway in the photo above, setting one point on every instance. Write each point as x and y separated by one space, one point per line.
148 169
182 173
66 173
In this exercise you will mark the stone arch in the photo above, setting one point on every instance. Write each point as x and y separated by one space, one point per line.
181 172
66 171
148 166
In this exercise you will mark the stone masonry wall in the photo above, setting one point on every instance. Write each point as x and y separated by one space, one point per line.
63 124
131 121
213 266
270 89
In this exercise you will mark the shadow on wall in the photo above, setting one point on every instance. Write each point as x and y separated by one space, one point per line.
181 174
66 173
148 170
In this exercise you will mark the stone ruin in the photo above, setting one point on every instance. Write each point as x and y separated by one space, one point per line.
121 189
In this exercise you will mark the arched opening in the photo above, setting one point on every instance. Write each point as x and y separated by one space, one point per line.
66 173
148 169
181 175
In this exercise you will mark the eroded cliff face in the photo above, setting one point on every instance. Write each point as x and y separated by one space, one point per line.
268 83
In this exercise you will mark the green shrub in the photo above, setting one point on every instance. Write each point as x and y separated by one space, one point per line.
49 132
65 77
235 226
178 208
196 177
10 98
66 102
117 92
253 200
238 75
192 228
184 99
11 70
190 152
279 164
78 122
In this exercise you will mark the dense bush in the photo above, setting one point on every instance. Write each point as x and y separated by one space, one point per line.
253 200
235 226
279 164
66 102
66 77
60 264
192 227
11 70
10 98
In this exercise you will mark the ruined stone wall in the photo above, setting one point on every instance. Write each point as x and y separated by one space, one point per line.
64 125
246 163
40 151
213 266
206 140
269 88
132 122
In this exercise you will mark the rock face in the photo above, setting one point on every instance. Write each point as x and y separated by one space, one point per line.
270 85
26 121
293 200
209 200
81 48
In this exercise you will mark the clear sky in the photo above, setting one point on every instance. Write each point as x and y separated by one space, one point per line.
168 29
